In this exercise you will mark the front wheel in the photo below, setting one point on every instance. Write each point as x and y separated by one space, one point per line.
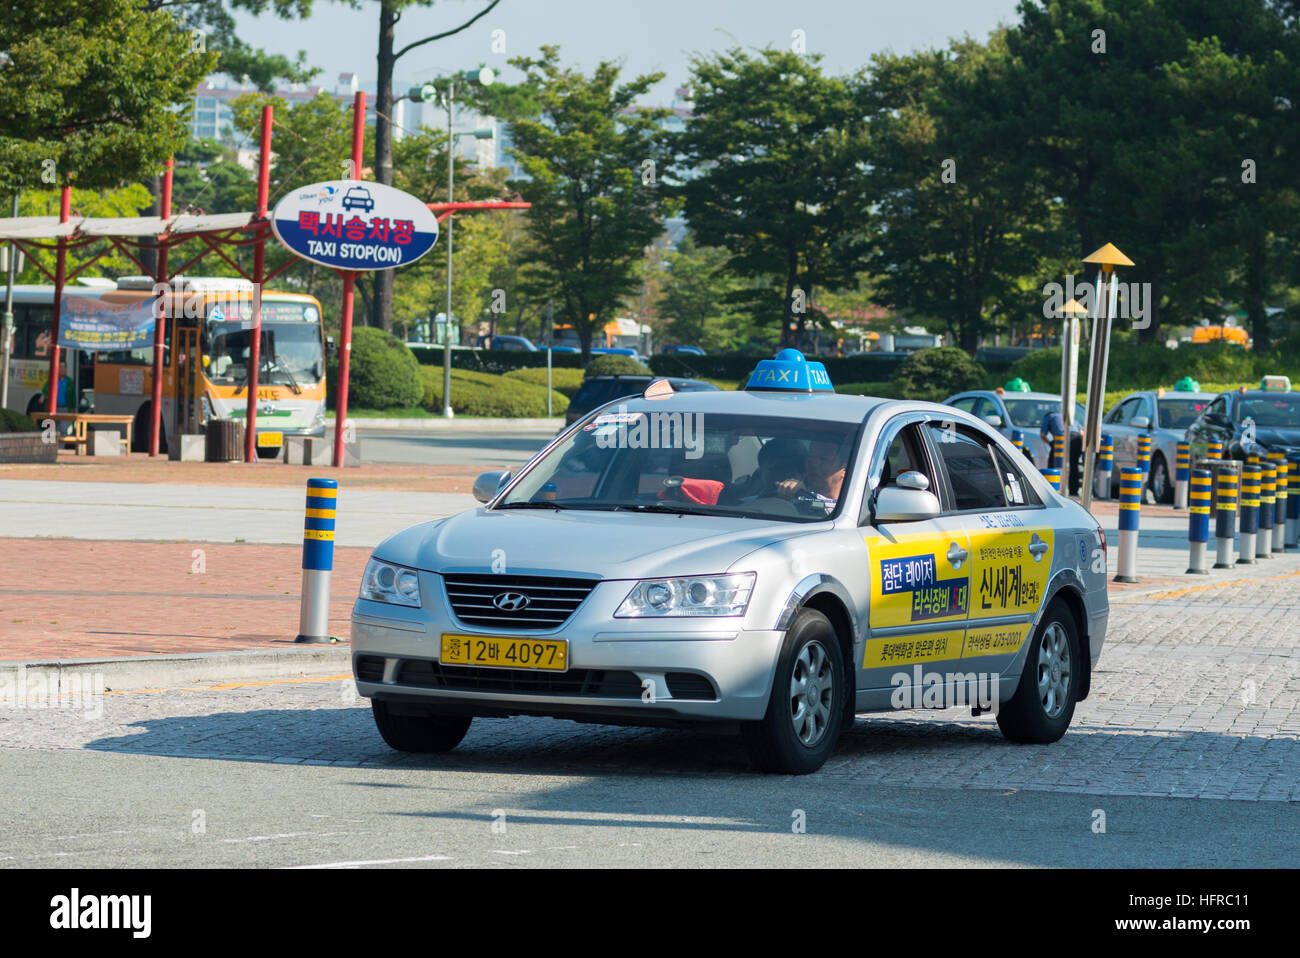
1043 705
806 709
422 734
1161 488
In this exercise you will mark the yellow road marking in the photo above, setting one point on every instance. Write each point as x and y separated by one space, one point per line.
231 685
1174 593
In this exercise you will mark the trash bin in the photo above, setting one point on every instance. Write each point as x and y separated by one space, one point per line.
225 440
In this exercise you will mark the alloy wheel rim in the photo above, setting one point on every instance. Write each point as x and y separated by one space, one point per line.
812 692
1054 670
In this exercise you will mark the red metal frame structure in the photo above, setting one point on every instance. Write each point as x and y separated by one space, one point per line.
216 232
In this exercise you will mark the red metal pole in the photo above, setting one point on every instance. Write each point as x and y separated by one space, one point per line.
60 270
259 271
160 324
349 283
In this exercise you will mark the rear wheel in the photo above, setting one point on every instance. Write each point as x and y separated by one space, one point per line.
1161 488
806 710
1043 705
421 733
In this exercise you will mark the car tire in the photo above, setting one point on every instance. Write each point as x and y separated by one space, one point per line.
1041 709
805 711
422 734
1163 491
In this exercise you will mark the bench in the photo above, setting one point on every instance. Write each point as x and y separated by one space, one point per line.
81 422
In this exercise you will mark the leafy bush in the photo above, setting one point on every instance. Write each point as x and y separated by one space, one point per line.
382 374
615 365
937 373
11 421
483 394
567 381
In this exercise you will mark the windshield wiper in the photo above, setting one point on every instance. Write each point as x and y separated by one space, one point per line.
278 361
531 504
671 508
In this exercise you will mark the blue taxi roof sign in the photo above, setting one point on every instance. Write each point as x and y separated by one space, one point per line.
789 372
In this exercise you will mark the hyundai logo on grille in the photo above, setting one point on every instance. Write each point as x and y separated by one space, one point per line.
510 601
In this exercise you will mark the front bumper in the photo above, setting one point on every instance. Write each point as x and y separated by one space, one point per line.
629 671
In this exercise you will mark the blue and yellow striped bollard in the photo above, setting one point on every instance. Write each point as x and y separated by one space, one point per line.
1225 514
1105 459
1198 520
317 560
1278 461
1214 449
1182 473
1057 455
1018 440
1053 477
1130 503
1144 458
1293 505
1248 521
1267 503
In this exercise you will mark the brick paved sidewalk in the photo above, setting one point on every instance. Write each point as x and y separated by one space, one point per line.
64 598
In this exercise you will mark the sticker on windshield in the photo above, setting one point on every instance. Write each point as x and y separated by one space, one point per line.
613 419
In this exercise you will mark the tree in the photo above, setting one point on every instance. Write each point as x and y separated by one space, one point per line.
698 299
92 93
961 215
593 212
770 169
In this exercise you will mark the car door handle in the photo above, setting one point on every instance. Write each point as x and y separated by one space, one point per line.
956 555
1037 547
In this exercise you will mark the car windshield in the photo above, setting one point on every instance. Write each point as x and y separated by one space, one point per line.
1181 413
1279 410
762 467
1029 413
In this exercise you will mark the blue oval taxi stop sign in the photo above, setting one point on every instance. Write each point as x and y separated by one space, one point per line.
354 224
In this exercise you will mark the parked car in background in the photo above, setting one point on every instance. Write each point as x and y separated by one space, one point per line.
1009 410
518 344
1164 416
683 351
599 390
1249 421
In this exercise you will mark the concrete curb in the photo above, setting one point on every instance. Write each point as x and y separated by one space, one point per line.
199 667
456 425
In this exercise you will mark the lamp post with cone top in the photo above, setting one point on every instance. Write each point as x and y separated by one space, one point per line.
1071 312
1108 257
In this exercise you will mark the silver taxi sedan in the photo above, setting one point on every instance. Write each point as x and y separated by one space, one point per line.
775 559
1164 416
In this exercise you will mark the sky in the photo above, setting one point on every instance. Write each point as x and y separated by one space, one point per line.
649 36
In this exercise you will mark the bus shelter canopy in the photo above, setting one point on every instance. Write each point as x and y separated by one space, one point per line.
49 227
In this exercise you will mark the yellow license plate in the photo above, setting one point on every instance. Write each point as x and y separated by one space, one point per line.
270 439
505 653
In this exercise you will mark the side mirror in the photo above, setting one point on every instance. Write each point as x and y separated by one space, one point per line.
994 420
489 484
1140 422
896 504
330 347
911 479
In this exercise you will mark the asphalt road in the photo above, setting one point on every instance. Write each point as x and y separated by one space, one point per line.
487 449
138 810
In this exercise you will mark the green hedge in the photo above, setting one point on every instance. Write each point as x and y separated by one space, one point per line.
1135 366
11 421
934 374
382 374
567 381
483 394
885 390
614 365
738 366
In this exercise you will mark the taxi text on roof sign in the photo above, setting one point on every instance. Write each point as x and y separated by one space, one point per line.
789 372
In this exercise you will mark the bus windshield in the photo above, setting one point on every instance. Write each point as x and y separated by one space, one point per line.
290 353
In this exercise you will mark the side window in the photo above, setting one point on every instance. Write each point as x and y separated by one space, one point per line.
1125 412
1015 489
966 403
904 455
1218 408
1144 408
972 472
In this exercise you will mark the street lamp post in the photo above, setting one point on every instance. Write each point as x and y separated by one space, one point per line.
1107 258
450 85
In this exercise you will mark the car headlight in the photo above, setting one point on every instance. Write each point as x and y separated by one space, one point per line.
394 584
692 595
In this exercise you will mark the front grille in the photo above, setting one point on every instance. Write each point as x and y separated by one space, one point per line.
551 600
370 668
597 683
690 687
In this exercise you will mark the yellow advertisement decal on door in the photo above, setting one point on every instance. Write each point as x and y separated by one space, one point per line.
1009 568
